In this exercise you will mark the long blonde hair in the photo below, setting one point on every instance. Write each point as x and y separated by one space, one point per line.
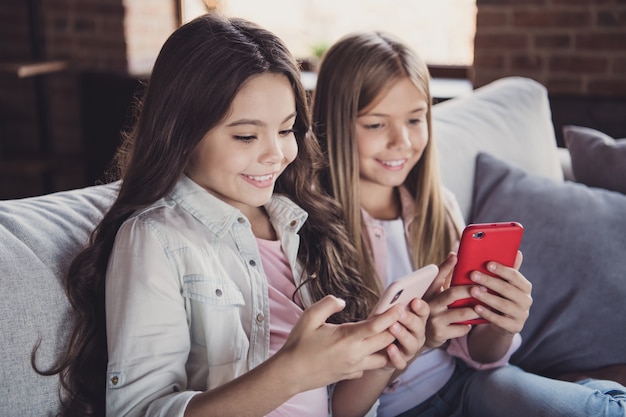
352 74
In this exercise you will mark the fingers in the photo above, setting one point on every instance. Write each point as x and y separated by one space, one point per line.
507 280
374 361
318 313
441 321
420 308
505 323
411 326
374 333
511 314
448 267
439 304
510 296
443 277
409 333
518 260
396 358
384 320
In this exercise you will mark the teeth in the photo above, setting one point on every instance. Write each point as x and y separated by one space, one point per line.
394 163
260 177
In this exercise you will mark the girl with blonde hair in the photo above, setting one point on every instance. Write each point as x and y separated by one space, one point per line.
372 115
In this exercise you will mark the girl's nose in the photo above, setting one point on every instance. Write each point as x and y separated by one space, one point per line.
273 151
400 138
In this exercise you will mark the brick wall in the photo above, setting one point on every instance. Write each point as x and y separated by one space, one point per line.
576 48
120 37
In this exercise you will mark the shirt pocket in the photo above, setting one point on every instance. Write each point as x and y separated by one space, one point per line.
216 305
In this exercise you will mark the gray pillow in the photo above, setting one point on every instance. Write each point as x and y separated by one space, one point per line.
598 160
574 249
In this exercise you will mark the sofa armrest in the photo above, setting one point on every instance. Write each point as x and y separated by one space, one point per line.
39 236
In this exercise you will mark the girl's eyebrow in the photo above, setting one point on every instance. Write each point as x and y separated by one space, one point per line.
256 122
417 110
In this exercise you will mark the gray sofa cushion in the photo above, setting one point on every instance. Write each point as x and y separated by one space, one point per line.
598 160
509 118
39 236
574 245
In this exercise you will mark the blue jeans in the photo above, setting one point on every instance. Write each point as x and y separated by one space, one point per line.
509 391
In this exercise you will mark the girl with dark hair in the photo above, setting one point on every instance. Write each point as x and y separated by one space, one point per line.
372 116
221 280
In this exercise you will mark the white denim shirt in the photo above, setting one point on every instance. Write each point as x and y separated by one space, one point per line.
187 304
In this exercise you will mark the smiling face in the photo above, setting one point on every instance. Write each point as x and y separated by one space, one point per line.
391 136
240 159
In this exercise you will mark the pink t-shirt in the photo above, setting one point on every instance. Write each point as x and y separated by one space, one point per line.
284 313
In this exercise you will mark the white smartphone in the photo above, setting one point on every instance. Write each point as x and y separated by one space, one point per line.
404 290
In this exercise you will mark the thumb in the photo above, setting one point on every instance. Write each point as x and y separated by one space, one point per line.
443 277
518 260
319 312
447 268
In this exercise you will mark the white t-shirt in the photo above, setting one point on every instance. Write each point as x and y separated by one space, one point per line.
432 369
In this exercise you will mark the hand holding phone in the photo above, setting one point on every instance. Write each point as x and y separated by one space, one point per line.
481 243
404 290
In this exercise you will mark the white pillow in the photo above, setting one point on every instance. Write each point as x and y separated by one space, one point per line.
509 118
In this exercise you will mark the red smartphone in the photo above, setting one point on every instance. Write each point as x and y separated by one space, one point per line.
481 243
405 289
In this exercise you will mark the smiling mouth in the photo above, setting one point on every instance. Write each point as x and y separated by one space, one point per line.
395 163
260 178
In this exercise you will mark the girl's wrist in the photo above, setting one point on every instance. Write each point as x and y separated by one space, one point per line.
290 373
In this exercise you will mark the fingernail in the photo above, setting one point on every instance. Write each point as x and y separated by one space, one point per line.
491 266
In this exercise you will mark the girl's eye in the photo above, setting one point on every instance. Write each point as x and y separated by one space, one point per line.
248 138
287 132
415 121
374 126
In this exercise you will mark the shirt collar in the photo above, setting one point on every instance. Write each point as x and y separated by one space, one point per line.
219 216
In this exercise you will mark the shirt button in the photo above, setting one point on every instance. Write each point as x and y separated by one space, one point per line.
218 292
293 223
241 220
252 262
115 380
260 317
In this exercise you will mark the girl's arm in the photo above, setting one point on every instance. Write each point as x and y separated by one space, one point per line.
316 354
355 397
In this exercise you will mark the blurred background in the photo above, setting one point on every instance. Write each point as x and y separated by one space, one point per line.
70 69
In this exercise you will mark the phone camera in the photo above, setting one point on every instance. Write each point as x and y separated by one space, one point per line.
478 235
395 297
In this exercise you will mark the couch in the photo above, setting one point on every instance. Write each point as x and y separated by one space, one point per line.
498 154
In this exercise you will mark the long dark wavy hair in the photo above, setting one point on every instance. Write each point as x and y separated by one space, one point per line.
199 70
